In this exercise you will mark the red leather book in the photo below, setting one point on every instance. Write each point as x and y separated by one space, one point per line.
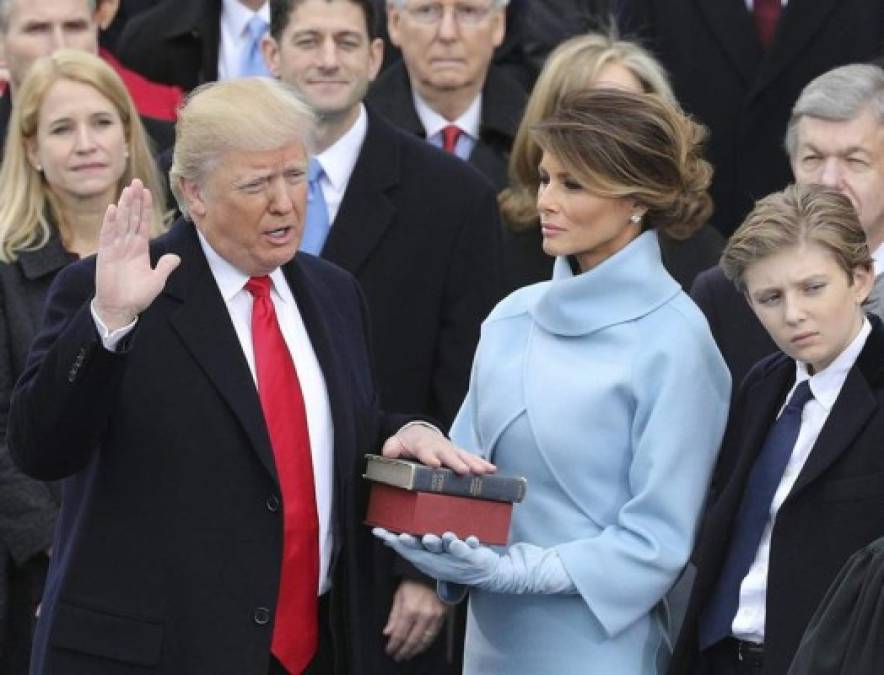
419 513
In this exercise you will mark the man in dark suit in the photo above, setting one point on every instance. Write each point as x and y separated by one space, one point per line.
835 138
739 71
445 89
30 29
208 417
799 484
420 231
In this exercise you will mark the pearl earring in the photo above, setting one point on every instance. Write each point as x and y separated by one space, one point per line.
635 218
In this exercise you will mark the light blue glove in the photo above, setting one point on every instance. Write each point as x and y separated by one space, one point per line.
523 568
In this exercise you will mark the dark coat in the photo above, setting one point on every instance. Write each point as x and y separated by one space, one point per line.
176 42
740 337
835 507
743 94
428 266
166 460
524 261
503 101
28 508
421 233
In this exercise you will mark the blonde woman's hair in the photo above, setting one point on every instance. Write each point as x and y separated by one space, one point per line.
243 114
798 215
574 65
28 207
618 144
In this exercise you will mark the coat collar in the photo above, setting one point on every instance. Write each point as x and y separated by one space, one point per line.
629 284
47 259
503 100
367 210
5 113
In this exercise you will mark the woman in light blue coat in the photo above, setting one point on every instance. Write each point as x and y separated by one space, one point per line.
604 387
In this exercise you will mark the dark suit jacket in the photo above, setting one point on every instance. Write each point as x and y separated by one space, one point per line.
740 337
176 42
744 95
835 507
28 508
503 101
420 231
167 462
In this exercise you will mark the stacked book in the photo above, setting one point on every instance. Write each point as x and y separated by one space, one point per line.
410 497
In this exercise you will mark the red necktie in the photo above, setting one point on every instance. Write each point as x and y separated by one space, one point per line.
450 134
766 14
295 630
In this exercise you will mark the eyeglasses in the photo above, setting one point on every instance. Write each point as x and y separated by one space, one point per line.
465 13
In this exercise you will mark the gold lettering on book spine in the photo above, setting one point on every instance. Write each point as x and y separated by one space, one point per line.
437 482
476 486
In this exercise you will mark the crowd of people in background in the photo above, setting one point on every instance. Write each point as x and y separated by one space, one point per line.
632 250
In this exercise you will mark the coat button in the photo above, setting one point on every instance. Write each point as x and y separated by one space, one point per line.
261 616
273 503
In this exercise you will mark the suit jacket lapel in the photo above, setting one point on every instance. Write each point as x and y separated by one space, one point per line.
313 307
800 20
203 324
366 211
854 406
731 24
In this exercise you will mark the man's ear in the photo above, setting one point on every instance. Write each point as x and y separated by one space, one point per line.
394 16
375 58
270 52
105 11
194 198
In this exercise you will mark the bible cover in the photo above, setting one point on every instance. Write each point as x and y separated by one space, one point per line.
418 513
414 476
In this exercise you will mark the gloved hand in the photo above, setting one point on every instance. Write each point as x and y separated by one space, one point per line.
523 568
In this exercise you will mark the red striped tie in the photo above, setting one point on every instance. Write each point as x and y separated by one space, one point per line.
450 134
295 630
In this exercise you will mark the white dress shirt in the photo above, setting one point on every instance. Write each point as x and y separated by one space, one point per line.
338 161
234 36
825 385
878 259
750 4
231 284
469 123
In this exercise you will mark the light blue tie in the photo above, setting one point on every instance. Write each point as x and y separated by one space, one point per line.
316 225
252 61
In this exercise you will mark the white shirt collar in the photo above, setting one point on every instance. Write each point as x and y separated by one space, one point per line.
230 280
826 384
878 257
433 122
339 159
235 16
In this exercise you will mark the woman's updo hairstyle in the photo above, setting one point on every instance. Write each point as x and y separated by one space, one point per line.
637 146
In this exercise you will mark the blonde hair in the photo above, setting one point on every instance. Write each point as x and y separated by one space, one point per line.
574 65
243 114
637 146
798 215
28 206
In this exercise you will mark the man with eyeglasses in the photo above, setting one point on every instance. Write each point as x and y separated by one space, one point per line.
446 88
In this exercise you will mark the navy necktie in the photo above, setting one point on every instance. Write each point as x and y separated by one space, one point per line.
752 517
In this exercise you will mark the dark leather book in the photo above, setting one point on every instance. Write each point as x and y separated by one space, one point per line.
415 476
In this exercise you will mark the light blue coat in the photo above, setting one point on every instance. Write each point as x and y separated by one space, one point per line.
607 392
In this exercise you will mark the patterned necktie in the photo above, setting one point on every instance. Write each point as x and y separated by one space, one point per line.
295 629
450 136
316 224
752 517
252 62
766 14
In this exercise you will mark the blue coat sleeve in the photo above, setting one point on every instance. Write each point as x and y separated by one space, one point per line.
682 389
